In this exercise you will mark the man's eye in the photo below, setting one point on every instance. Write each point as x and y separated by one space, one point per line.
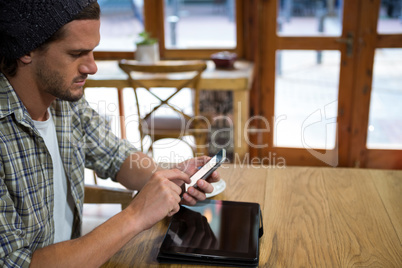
75 55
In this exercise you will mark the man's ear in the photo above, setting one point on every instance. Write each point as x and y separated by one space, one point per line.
26 59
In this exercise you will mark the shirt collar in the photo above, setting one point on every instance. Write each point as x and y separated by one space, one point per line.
10 103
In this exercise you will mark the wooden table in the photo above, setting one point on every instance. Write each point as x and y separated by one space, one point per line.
313 217
237 80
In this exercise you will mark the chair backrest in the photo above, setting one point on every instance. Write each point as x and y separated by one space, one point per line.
172 74
100 194
164 74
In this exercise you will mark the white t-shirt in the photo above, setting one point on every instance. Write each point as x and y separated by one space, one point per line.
63 210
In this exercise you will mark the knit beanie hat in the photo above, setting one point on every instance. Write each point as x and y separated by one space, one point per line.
27 24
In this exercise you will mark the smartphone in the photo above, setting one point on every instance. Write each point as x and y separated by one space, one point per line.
206 170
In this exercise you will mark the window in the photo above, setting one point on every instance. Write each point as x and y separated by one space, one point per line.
390 17
384 129
200 24
315 18
184 28
306 98
121 21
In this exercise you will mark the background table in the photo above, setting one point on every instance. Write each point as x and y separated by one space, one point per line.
237 80
313 217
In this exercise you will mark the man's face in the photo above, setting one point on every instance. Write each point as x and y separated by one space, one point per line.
61 70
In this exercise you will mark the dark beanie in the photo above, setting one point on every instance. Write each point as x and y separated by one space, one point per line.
27 24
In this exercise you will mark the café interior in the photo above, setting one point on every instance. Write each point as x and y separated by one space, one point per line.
287 83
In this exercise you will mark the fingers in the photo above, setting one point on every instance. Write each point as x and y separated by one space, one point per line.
174 180
215 177
205 186
190 166
190 200
187 168
176 176
197 194
174 210
166 184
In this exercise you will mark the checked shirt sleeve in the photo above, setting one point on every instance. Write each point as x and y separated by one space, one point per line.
104 152
14 251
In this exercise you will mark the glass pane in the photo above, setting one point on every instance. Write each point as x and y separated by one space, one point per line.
121 22
310 17
306 98
385 118
200 24
390 17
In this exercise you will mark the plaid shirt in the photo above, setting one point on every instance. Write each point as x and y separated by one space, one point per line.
26 183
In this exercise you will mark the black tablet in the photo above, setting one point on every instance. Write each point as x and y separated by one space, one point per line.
214 232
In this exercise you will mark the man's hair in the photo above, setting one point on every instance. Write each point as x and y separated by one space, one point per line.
91 12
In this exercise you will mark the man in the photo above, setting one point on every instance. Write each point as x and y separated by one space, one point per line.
49 134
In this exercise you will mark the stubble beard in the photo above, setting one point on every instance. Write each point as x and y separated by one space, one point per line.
53 82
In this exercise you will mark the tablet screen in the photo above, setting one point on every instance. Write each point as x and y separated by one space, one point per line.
221 229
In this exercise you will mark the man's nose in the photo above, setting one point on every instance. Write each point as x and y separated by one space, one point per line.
88 66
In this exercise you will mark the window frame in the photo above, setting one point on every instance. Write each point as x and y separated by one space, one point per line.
154 24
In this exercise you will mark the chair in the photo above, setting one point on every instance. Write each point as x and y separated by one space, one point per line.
95 194
168 74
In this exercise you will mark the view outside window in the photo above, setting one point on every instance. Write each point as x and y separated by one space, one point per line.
310 17
121 22
385 121
200 24
306 98
390 17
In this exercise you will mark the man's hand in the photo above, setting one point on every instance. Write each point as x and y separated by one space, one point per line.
204 186
134 176
160 197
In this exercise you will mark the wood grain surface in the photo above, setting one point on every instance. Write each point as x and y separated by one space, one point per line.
313 217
